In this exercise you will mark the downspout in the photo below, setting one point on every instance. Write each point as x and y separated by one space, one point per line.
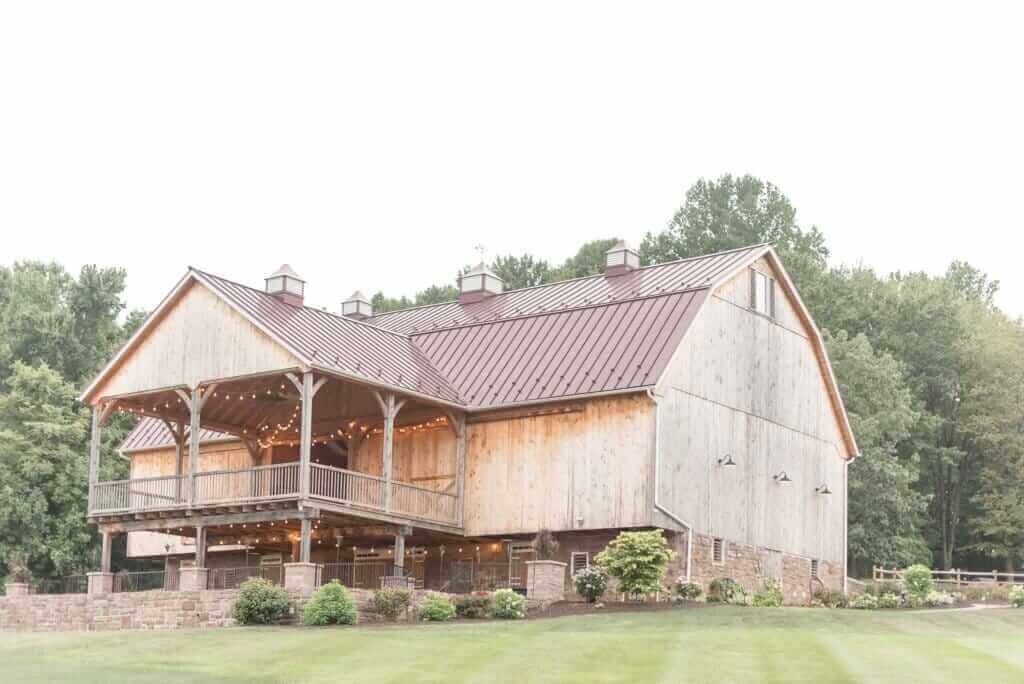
657 470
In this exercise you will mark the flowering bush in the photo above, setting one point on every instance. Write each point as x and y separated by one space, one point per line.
260 602
864 601
888 600
1017 596
436 608
939 598
591 583
688 591
330 605
508 605
771 596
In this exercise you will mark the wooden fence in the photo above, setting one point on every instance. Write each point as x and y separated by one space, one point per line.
955 577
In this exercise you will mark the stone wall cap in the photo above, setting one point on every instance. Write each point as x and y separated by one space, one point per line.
546 562
299 564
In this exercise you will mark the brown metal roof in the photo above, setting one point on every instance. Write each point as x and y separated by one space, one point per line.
589 350
337 343
674 276
152 433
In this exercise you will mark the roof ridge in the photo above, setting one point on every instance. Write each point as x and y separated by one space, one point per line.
302 306
538 314
577 279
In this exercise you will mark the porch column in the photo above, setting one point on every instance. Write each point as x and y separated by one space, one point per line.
105 552
102 582
200 555
307 392
194 578
177 430
304 540
300 576
99 416
390 407
400 550
459 425
195 407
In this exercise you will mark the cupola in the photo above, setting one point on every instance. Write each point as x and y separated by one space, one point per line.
286 285
479 283
620 259
357 306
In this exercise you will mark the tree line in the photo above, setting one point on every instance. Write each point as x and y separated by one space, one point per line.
930 369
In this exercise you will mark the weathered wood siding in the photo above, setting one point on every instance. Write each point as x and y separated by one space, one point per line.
214 456
200 338
424 457
751 387
574 471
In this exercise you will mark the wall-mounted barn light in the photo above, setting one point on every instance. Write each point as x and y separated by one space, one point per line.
823 489
726 461
782 478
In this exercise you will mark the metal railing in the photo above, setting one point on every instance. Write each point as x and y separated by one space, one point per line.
140 494
72 584
232 578
252 484
143 581
360 574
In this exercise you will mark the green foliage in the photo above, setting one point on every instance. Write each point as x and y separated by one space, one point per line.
591 583
939 599
828 598
588 260
522 271
888 600
727 590
917 580
508 605
770 596
330 605
1016 596
545 546
17 568
688 591
436 608
390 602
260 602
638 560
864 601
473 606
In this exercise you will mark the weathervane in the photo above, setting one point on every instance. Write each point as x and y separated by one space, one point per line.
480 250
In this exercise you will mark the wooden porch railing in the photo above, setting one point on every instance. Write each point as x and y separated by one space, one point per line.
268 483
261 483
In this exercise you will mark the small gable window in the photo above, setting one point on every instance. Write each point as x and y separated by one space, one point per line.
762 293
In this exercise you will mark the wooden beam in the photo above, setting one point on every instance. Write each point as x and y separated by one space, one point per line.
105 552
200 546
195 407
304 538
306 433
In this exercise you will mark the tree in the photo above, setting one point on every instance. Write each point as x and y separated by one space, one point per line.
885 511
638 560
522 271
588 260
732 212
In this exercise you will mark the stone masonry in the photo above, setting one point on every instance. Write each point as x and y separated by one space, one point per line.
545 580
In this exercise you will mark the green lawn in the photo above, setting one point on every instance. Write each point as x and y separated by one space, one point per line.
720 644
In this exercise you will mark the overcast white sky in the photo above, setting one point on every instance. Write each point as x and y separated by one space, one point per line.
372 145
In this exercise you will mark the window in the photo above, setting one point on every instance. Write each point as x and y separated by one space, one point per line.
718 551
762 293
814 568
580 561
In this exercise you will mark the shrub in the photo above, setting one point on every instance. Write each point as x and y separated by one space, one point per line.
390 602
17 568
727 590
330 605
436 608
591 583
260 602
830 598
545 546
889 600
917 580
986 591
864 601
884 587
508 605
771 596
688 591
936 599
638 560
1016 596
473 606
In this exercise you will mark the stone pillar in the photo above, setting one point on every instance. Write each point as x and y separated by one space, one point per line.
545 580
101 582
17 589
300 577
192 579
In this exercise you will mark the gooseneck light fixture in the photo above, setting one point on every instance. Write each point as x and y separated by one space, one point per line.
726 461
782 478
823 489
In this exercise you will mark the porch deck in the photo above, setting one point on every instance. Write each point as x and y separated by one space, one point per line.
269 484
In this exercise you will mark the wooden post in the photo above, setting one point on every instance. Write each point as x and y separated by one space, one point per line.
105 552
94 454
458 425
304 541
194 403
399 554
200 546
177 430
389 407
307 392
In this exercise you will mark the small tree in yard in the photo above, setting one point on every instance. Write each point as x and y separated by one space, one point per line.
638 560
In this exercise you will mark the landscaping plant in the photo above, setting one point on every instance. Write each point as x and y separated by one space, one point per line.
864 601
727 590
770 596
638 560
1016 596
591 583
829 598
473 606
545 546
436 608
390 602
917 581
508 605
330 605
688 591
260 602
889 600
